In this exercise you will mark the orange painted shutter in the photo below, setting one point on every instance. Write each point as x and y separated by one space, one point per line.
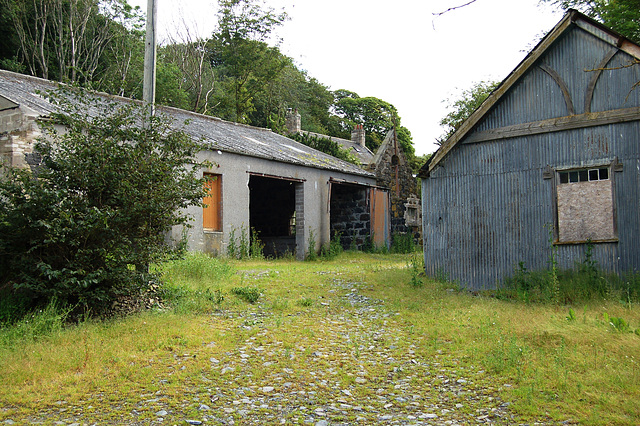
211 214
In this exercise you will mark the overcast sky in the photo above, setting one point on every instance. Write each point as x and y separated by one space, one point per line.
397 50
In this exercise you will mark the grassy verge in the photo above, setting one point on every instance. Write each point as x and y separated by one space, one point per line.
551 362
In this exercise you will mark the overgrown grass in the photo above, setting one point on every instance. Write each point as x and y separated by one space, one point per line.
586 282
549 363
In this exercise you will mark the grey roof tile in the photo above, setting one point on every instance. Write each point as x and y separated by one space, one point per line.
215 133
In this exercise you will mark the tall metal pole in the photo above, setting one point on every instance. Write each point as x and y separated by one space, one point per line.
149 83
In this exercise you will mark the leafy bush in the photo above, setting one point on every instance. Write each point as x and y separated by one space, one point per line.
105 195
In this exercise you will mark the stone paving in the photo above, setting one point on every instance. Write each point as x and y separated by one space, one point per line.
360 370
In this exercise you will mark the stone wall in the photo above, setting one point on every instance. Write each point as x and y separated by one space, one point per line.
350 215
18 132
393 171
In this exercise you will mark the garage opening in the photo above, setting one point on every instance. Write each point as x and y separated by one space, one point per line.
276 213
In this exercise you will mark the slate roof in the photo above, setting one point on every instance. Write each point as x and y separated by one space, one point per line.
363 154
572 17
216 134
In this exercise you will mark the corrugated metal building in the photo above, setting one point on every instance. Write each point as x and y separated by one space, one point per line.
550 159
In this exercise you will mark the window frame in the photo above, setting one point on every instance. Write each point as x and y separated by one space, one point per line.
611 166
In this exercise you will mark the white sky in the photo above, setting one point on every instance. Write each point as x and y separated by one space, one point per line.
396 50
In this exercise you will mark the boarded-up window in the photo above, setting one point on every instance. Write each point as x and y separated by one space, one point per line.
585 206
212 211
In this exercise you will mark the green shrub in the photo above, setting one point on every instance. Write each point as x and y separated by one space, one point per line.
103 199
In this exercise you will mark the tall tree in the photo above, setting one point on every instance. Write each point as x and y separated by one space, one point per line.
188 52
65 39
240 52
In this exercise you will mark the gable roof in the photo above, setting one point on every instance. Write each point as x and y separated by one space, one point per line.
216 134
571 18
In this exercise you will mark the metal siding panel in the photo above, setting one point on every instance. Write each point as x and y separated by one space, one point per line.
496 207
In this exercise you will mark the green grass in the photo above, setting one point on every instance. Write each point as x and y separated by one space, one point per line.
550 364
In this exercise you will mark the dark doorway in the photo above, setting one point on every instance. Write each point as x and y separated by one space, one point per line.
272 214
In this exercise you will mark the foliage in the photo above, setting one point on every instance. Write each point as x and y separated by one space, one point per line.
65 40
239 50
583 283
249 294
333 249
623 16
375 115
34 325
462 108
403 243
105 195
326 145
416 267
312 254
245 246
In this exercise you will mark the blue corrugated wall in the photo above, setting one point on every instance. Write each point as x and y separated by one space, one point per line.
487 206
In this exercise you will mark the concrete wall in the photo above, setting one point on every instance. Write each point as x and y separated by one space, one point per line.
235 174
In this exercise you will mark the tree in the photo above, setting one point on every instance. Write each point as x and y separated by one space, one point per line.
240 52
623 16
464 106
375 115
65 39
103 199
189 53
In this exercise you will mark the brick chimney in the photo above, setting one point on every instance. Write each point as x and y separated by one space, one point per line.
293 121
357 135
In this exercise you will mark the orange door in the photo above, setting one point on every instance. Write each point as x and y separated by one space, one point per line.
380 224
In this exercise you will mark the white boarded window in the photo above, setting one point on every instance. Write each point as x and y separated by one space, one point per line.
585 205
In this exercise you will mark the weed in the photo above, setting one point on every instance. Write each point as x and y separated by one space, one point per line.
249 294
306 302
37 324
618 323
334 249
312 254
572 315
403 243
257 246
417 269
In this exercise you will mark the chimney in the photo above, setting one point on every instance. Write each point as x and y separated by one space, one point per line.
292 121
357 135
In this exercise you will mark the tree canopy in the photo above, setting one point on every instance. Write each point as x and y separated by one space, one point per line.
622 16
238 73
